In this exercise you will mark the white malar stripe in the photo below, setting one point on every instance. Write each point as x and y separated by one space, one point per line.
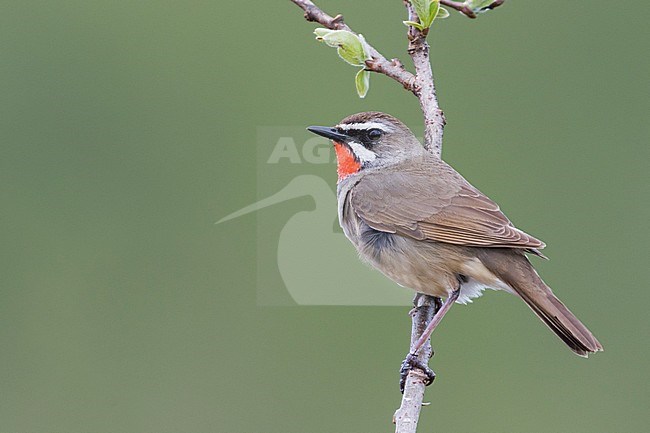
361 152
363 126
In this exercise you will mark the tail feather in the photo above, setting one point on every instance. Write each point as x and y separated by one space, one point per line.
514 269
563 323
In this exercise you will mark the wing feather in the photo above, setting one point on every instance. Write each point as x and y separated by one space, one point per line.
433 202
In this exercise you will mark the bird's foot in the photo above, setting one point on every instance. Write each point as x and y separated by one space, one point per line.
410 363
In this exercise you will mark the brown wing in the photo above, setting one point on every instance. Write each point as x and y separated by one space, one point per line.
431 201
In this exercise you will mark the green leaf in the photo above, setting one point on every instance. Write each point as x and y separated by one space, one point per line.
365 47
427 11
321 32
348 45
478 6
422 10
413 24
362 82
434 8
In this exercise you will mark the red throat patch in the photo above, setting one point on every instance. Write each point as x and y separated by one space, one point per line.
346 163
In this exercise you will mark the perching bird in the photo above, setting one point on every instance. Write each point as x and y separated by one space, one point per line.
419 222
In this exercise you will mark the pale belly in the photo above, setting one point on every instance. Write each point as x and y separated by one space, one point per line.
432 268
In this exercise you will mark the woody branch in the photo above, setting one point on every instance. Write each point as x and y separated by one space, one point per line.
406 417
434 119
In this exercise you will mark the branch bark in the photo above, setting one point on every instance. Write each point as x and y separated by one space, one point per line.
407 416
434 119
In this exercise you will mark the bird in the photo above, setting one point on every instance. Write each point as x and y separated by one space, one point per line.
418 221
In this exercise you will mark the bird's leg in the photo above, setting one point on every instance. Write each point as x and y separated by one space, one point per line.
411 360
435 321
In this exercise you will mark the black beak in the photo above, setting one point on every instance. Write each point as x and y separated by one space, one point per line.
329 132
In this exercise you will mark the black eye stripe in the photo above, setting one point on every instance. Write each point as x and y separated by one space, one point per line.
365 136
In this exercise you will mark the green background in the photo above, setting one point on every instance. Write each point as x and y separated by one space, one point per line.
128 128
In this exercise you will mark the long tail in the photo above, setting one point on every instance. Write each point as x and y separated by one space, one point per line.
514 269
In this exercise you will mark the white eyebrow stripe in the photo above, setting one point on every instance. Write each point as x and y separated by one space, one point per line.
363 126
361 152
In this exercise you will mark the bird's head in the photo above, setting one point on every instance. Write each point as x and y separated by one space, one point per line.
369 140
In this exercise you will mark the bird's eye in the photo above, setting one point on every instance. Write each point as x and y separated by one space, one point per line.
374 134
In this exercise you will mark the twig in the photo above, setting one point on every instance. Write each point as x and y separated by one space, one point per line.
434 119
377 63
464 8
407 416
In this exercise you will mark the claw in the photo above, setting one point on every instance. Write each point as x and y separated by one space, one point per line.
408 364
